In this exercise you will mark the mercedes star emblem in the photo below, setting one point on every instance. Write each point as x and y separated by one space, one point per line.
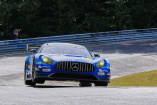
75 66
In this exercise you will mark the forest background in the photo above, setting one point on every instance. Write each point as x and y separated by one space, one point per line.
40 18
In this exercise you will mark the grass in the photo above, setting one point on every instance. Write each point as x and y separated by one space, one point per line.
143 79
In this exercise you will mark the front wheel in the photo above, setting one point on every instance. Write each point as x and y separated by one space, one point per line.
33 74
33 80
26 81
101 84
85 84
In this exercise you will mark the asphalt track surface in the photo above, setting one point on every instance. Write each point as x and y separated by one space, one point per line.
125 59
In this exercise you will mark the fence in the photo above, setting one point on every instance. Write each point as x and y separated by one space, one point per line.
15 46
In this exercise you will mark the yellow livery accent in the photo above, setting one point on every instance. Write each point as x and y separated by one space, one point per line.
89 58
39 63
39 66
81 45
29 67
71 43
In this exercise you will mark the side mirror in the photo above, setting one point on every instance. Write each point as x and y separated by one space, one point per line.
33 50
96 55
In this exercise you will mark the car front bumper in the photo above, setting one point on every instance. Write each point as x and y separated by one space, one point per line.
73 77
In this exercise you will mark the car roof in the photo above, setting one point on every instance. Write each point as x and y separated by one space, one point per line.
63 44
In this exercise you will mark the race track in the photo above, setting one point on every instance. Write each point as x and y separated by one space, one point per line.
125 59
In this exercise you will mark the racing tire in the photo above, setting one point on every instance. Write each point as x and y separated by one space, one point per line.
85 84
27 82
40 81
101 84
33 73
34 80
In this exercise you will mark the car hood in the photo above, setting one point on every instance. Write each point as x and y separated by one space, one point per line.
62 57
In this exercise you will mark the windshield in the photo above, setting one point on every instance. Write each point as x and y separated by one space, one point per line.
66 49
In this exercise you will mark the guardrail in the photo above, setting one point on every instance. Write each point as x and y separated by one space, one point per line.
110 37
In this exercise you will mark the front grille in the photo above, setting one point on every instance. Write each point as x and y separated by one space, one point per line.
75 66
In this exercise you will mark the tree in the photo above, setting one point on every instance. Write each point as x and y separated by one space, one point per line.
40 18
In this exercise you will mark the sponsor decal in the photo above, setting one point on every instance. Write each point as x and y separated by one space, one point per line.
46 70
100 70
104 70
101 73
39 66
89 58
39 62
45 66
89 61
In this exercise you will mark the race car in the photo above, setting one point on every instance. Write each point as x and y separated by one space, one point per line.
66 62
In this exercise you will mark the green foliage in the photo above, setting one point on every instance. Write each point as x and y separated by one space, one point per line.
39 18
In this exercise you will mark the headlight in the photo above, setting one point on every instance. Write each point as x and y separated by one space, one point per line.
100 64
46 60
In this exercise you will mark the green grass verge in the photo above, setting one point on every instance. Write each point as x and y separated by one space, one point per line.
142 79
